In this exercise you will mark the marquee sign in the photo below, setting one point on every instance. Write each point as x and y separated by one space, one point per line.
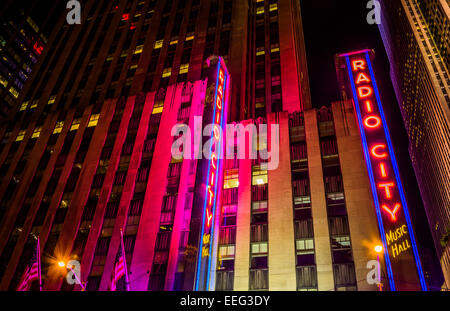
215 114
402 259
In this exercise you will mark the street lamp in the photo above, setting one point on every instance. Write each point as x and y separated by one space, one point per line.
379 250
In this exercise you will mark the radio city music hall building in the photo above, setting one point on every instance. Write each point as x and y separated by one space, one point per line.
89 153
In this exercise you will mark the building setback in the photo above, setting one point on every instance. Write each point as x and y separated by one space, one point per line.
415 35
91 154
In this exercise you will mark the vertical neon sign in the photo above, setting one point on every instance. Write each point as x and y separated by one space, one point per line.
211 185
402 259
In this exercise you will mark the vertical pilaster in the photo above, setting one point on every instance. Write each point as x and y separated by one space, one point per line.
242 257
358 198
282 275
318 204
144 249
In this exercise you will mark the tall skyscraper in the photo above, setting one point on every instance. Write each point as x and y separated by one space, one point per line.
92 153
415 35
23 38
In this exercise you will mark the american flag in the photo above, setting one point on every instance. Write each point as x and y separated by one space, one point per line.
32 272
119 269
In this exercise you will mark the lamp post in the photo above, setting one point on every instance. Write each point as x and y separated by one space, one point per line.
378 250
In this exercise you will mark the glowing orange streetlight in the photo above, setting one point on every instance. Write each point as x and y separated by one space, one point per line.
378 249
61 264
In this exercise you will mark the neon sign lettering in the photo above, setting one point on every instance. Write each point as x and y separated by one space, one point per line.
212 185
398 241
390 203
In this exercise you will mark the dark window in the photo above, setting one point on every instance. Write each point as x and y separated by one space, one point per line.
344 276
89 209
224 280
259 279
102 246
111 209
306 278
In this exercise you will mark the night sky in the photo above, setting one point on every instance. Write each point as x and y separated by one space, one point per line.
336 26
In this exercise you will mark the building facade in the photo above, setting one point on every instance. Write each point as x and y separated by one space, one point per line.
78 209
415 35
22 40
88 152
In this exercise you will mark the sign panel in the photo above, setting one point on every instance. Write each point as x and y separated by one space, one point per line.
214 114
402 259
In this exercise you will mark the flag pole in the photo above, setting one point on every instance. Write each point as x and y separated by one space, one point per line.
39 263
127 282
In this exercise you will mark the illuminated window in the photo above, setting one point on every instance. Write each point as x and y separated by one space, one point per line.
302 200
190 37
51 100
133 66
34 104
110 58
93 121
158 107
173 42
275 49
173 160
184 68
259 177
64 204
259 248
231 179
158 44
260 10
139 49
75 125
3 81
32 24
167 72
260 51
260 206
58 128
24 106
343 241
21 135
260 143
305 246
14 92
37 132
226 251
273 7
